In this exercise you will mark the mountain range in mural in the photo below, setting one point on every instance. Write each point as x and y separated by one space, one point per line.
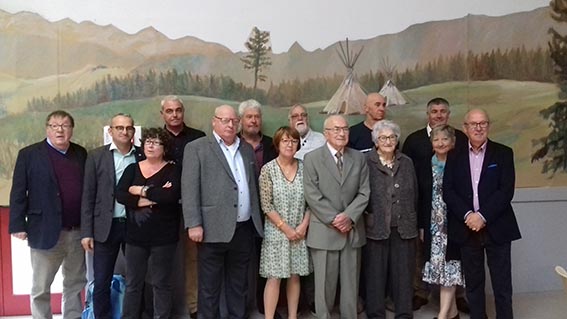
33 47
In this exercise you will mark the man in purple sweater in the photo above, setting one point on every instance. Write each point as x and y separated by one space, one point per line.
45 209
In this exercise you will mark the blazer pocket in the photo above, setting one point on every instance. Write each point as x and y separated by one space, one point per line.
34 212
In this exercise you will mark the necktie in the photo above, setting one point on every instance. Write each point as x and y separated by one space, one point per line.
339 157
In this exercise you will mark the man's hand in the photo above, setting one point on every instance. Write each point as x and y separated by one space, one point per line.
88 244
475 222
342 222
195 234
21 235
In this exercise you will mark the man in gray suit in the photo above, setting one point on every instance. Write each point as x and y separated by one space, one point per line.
221 211
337 191
103 220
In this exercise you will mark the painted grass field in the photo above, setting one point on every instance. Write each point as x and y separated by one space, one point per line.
513 107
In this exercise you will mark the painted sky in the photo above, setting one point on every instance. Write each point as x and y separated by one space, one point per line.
312 23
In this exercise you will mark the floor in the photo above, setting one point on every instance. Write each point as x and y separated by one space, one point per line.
541 305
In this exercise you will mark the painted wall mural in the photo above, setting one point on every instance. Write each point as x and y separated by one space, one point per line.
95 59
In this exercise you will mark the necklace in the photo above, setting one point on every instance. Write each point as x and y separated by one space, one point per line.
289 171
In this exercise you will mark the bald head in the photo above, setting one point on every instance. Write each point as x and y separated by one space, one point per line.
375 108
225 123
476 126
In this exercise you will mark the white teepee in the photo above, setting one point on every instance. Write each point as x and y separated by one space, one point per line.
389 90
392 94
349 97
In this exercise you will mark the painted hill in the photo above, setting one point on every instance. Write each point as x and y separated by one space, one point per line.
33 47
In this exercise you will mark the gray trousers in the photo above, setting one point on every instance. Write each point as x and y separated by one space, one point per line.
70 256
330 266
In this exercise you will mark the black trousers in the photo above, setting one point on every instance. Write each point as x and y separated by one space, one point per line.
104 259
228 263
389 263
498 257
137 259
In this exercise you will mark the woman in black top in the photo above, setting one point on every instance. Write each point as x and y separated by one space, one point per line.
150 190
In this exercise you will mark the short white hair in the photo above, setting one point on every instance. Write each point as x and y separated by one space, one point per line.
383 125
249 104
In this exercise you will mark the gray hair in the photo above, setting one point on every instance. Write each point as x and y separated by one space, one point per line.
121 114
331 117
447 129
249 104
383 125
293 108
173 98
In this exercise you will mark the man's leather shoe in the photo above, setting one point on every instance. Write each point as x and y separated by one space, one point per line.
418 302
463 305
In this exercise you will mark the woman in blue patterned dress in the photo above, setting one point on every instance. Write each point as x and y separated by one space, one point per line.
444 266
284 252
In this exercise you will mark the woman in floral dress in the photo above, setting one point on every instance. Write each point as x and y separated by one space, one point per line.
444 266
284 252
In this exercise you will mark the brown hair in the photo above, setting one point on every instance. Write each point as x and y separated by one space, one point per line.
283 131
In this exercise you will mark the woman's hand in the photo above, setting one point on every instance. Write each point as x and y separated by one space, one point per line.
301 230
290 233
135 190
144 202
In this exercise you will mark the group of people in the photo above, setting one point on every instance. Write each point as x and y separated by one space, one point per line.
340 212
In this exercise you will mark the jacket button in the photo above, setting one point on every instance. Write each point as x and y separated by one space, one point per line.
397 185
235 205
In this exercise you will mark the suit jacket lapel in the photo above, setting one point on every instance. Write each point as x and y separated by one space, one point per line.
348 163
220 155
45 154
331 165
488 155
108 164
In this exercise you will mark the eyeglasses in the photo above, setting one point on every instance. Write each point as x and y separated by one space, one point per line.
152 143
293 142
122 128
226 120
64 127
384 138
482 125
380 104
297 116
337 129
171 111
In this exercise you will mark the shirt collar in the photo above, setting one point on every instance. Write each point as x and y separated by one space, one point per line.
429 129
221 142
480 150
114 147
333 150
55 148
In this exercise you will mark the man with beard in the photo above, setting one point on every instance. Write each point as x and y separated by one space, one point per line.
250 112
310 140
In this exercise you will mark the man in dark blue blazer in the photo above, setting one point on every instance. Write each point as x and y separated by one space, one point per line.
478 189
103 219
45 209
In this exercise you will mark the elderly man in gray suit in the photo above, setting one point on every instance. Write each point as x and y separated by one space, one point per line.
221 211
337 191
103 220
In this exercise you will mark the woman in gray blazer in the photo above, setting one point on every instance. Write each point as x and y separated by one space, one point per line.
391 225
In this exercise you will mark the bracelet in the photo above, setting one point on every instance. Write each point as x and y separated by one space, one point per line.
280 223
